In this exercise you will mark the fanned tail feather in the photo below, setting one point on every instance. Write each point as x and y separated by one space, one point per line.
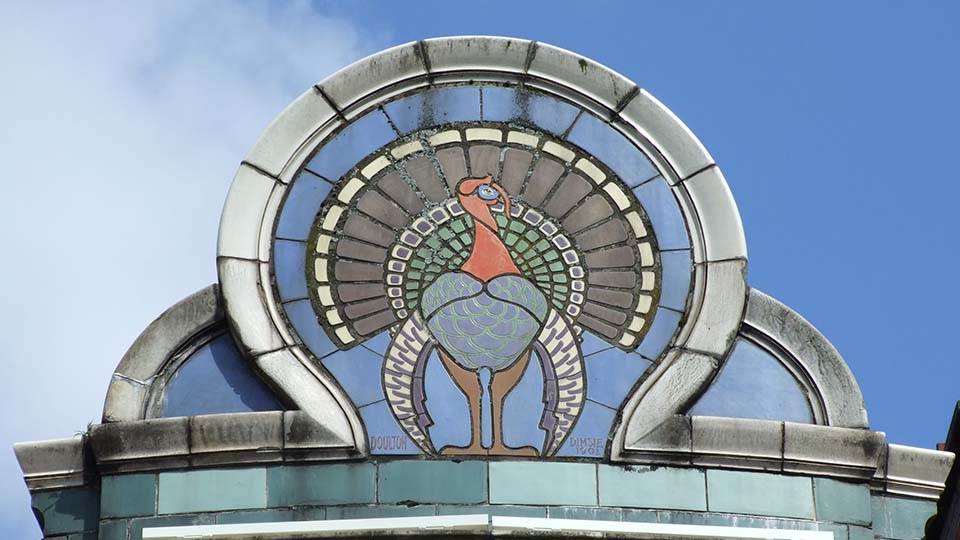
564 381
403 371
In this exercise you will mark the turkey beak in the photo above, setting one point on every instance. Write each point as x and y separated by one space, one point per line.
504 196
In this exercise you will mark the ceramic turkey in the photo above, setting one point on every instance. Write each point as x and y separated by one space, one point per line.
495 290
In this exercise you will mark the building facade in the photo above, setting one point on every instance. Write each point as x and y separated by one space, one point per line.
481 286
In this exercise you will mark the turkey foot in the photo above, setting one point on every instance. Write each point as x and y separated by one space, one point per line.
499 449
500 387
469 384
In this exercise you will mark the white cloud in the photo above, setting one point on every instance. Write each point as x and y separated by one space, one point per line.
122 127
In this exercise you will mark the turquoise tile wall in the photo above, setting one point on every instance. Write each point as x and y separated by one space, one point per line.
436 481
900 518
646 487
841 501
327 484
128 495
545 483
212 490
760 493
561 490
68 510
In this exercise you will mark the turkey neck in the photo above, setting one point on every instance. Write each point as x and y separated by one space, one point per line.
489 257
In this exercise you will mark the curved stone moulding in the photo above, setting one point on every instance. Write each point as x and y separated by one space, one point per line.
837 389
131 382
710 213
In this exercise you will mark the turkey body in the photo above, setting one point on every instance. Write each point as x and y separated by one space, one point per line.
484 324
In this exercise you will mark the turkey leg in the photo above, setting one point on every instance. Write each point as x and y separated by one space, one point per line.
501 385
469 383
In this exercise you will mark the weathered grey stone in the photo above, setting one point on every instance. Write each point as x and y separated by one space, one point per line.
384 68
837 388
737 443
147 444
721 312
672 138
591 211
516 165
425 175
52 464
144 360
221 438
288 131
917 472
126 400
169 331
246 312
668 442
303 437
484 160
596 81
545 174
719 217
313 396
850 453
680 376
476 53
243 213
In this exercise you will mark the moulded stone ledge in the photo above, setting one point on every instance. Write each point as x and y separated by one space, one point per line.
802 449
916 472
53 464
210 440
852 453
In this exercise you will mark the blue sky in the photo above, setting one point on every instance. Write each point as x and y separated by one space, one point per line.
834 123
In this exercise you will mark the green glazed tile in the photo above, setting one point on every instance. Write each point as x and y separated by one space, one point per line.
646 487
640 516
492 510
138 524
760 493
584 512
860 533
340 483
68 510
841 501
840 532
113 530
433 481
256 516
128 495
380 511
212 490
901 518
546 483
755 522
682 518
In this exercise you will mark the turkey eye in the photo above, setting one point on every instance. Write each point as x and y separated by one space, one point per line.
487 193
